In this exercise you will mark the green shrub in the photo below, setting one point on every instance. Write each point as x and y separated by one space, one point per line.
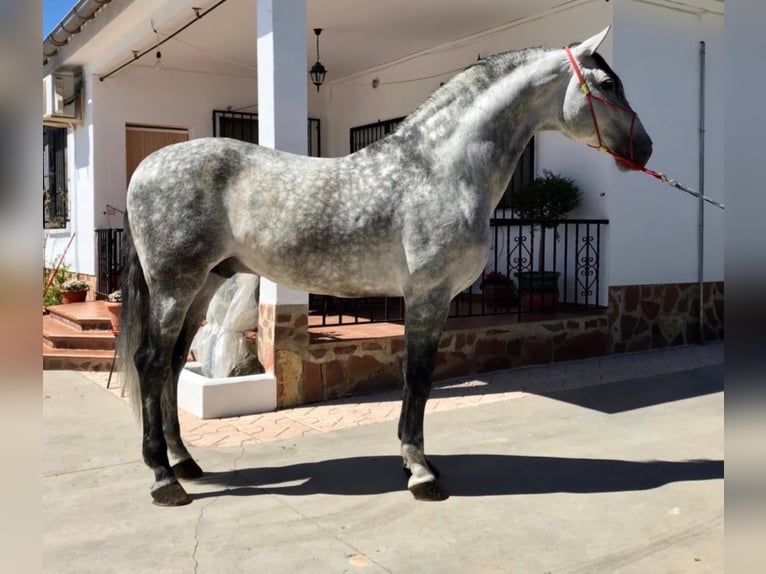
551 196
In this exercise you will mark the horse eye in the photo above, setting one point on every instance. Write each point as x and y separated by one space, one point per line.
607 84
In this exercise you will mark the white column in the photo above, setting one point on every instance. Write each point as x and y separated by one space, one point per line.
282 98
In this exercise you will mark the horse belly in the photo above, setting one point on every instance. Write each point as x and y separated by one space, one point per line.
339 269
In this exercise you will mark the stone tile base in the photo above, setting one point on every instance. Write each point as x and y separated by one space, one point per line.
282 343
343 368
643 317
639 318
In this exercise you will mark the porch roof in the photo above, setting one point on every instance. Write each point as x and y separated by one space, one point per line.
224 40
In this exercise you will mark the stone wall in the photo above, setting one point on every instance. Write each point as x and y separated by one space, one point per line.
341 368
645 317
282 343
638 318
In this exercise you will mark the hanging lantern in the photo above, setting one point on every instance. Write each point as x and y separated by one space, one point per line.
317 72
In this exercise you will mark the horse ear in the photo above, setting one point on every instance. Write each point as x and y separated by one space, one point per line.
590 45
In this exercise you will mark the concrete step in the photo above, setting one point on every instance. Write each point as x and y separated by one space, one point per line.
87 316
77 359
60 335
78 336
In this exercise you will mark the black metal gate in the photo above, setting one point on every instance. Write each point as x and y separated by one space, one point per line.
110 259
244 126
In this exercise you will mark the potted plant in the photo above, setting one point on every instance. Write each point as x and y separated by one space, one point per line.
114 308
52 285
545 200
74 291
498 290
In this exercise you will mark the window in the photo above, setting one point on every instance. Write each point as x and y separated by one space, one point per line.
244 126
522 175
55 196
362 136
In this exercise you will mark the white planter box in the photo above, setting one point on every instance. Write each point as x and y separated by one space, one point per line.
225 397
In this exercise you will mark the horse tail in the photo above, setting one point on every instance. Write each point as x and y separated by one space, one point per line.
133 318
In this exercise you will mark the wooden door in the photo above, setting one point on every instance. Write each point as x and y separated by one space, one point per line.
140 141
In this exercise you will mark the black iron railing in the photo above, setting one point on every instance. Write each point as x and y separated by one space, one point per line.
569 280
110 258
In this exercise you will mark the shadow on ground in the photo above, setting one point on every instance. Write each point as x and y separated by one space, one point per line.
462 475
624 396
611 398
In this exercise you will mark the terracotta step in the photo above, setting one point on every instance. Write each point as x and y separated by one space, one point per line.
59 335
77 359
87 316
78 336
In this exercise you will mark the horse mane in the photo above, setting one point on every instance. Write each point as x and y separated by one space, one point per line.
473 78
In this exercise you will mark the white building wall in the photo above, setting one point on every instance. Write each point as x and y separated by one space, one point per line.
79 256
353 101
653 228
652 233
137 95
166 98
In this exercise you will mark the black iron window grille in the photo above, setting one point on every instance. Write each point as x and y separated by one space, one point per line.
55 192
244 126
362 136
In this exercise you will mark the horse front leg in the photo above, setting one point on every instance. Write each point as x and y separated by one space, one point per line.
424 323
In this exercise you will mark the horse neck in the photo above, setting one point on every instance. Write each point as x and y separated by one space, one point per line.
484 123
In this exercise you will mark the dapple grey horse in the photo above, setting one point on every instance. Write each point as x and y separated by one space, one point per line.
407 216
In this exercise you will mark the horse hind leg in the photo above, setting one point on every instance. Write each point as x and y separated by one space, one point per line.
184 466
424 323
154 363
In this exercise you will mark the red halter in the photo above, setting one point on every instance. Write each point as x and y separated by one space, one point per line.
630 162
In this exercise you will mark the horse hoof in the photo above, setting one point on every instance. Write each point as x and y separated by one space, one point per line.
170 495
408 473
187 469
432 491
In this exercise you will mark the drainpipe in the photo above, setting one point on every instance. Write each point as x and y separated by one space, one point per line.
701 208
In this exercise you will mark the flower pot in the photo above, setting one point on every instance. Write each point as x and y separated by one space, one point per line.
73 296
499 295
114 310
539 301
539 290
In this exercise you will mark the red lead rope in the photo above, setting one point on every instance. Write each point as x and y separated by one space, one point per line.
630 162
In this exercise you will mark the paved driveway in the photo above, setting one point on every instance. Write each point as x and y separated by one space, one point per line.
623 476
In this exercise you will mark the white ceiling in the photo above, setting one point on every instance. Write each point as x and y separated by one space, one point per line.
358 34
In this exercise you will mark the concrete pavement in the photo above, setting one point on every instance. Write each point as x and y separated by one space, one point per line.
606 465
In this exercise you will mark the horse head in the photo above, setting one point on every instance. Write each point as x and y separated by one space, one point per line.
596 110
